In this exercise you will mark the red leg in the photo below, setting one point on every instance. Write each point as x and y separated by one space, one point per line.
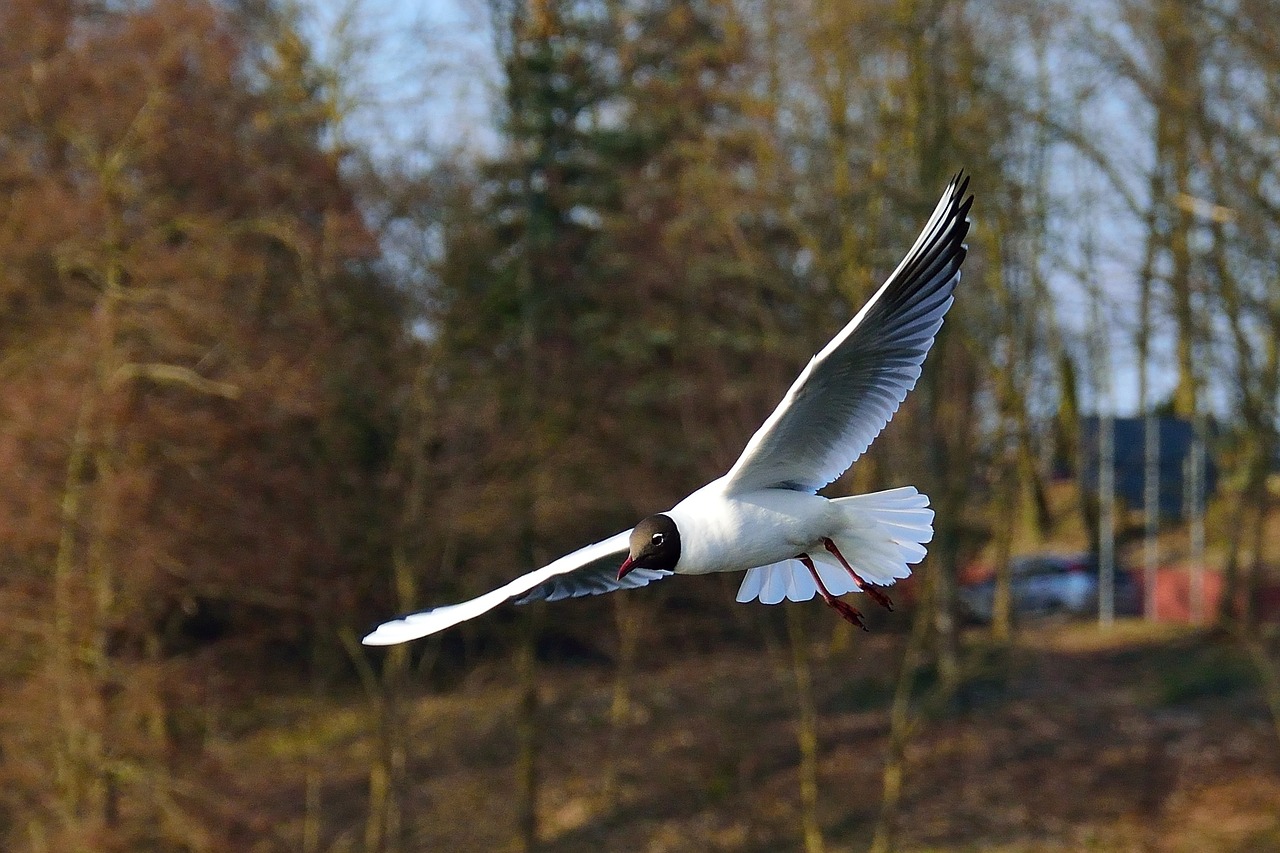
844 608
870 589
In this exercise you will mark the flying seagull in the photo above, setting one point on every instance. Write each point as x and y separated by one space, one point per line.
765 515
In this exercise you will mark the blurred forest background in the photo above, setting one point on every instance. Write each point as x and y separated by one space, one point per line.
271 375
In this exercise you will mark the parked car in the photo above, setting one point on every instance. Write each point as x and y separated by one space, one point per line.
1044 584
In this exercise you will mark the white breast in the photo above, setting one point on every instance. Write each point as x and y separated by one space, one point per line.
725 534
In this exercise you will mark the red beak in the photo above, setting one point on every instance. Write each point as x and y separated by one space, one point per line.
624 568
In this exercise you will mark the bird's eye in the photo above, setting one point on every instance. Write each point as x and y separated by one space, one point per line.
656 539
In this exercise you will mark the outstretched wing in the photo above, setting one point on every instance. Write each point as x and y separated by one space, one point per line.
587 571
849 391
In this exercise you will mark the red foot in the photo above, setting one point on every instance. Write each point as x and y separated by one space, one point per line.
878 597
844 608
848 611
870 589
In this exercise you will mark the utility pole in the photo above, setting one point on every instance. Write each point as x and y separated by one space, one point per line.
1151 507
1195 516
1106 519
1106 469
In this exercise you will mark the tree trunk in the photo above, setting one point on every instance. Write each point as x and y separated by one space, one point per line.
527 740
1179 66
1073 445
949 463
901 726
1261 501
930 123
312 802
1002 604
1248 503
806 729
628 619
69 761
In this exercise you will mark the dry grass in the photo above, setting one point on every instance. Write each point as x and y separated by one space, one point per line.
1146 738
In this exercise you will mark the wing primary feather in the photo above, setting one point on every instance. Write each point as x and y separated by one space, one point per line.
848 392
583 572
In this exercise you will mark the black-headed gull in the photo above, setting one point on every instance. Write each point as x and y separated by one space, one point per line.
765 515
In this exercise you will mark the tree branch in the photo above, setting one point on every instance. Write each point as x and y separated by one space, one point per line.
173 374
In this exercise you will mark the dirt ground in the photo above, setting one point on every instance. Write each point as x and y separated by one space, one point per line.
1146 738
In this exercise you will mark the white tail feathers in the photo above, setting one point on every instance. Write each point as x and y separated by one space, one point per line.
884 533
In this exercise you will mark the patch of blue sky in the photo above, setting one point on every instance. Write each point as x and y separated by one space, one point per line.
416 80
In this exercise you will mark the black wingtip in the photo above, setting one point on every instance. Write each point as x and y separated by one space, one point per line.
961 184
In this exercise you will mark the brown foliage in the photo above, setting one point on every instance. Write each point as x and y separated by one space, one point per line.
187 342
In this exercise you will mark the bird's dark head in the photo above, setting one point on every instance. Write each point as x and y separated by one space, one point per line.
655 544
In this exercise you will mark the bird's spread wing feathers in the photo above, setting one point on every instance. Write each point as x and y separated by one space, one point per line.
849 391
587 571
838 405
599 577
